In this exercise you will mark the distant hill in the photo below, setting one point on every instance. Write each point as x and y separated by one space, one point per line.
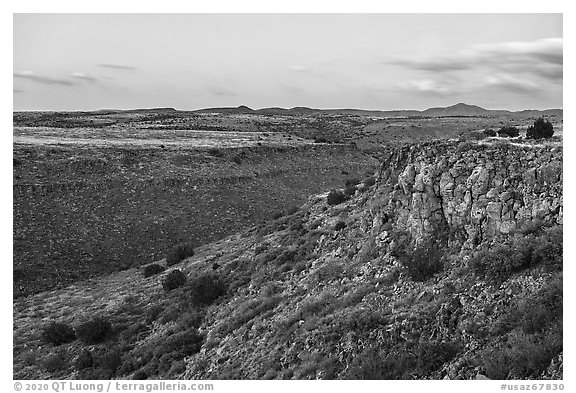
460 109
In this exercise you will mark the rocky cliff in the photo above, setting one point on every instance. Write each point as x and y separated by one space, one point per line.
476 191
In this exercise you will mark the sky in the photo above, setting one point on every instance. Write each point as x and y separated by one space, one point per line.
368 61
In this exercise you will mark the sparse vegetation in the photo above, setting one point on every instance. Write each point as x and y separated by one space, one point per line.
336 197
179 253
518 252
205 289
508 132
424 261
339 225
540 129
369 181
152 269
173 280
94 331
58 333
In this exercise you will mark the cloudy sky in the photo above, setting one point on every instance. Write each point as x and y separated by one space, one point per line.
372 61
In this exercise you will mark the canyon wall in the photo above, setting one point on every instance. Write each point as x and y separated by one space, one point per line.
473 189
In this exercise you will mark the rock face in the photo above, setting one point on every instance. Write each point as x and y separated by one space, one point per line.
475 191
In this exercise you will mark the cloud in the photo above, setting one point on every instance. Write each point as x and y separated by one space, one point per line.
541 58
547 50
511 83
84 77
427 86
291 89
118 67
298 68
29 75
220 91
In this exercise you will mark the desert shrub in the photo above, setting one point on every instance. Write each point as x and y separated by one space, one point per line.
489 132
153 313
58 333
335 197
339 225
178 253
541 129
152 269
519 252
287 256
174 279
277 215
350 190
328 272
401 362
540 310
369 181
215 152
351 182
94 331
424 261
237 159
508 132
205 289
522 355
84 360
246 312
110 360
55 362
431 355
180 344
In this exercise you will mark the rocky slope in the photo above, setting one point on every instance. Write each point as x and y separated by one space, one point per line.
448 267
86 211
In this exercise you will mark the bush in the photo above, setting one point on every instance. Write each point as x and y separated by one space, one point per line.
94 331
152 269
173 280
523 356
180 252
180 344
508 132
351 182
541 129
519 252
369 181
539 311
350 190
84 360
55 362
205 289
215 152
277 215
339 225
489 132
425 261
336 197
58 333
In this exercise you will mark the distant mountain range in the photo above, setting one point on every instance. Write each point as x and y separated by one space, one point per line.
459 109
